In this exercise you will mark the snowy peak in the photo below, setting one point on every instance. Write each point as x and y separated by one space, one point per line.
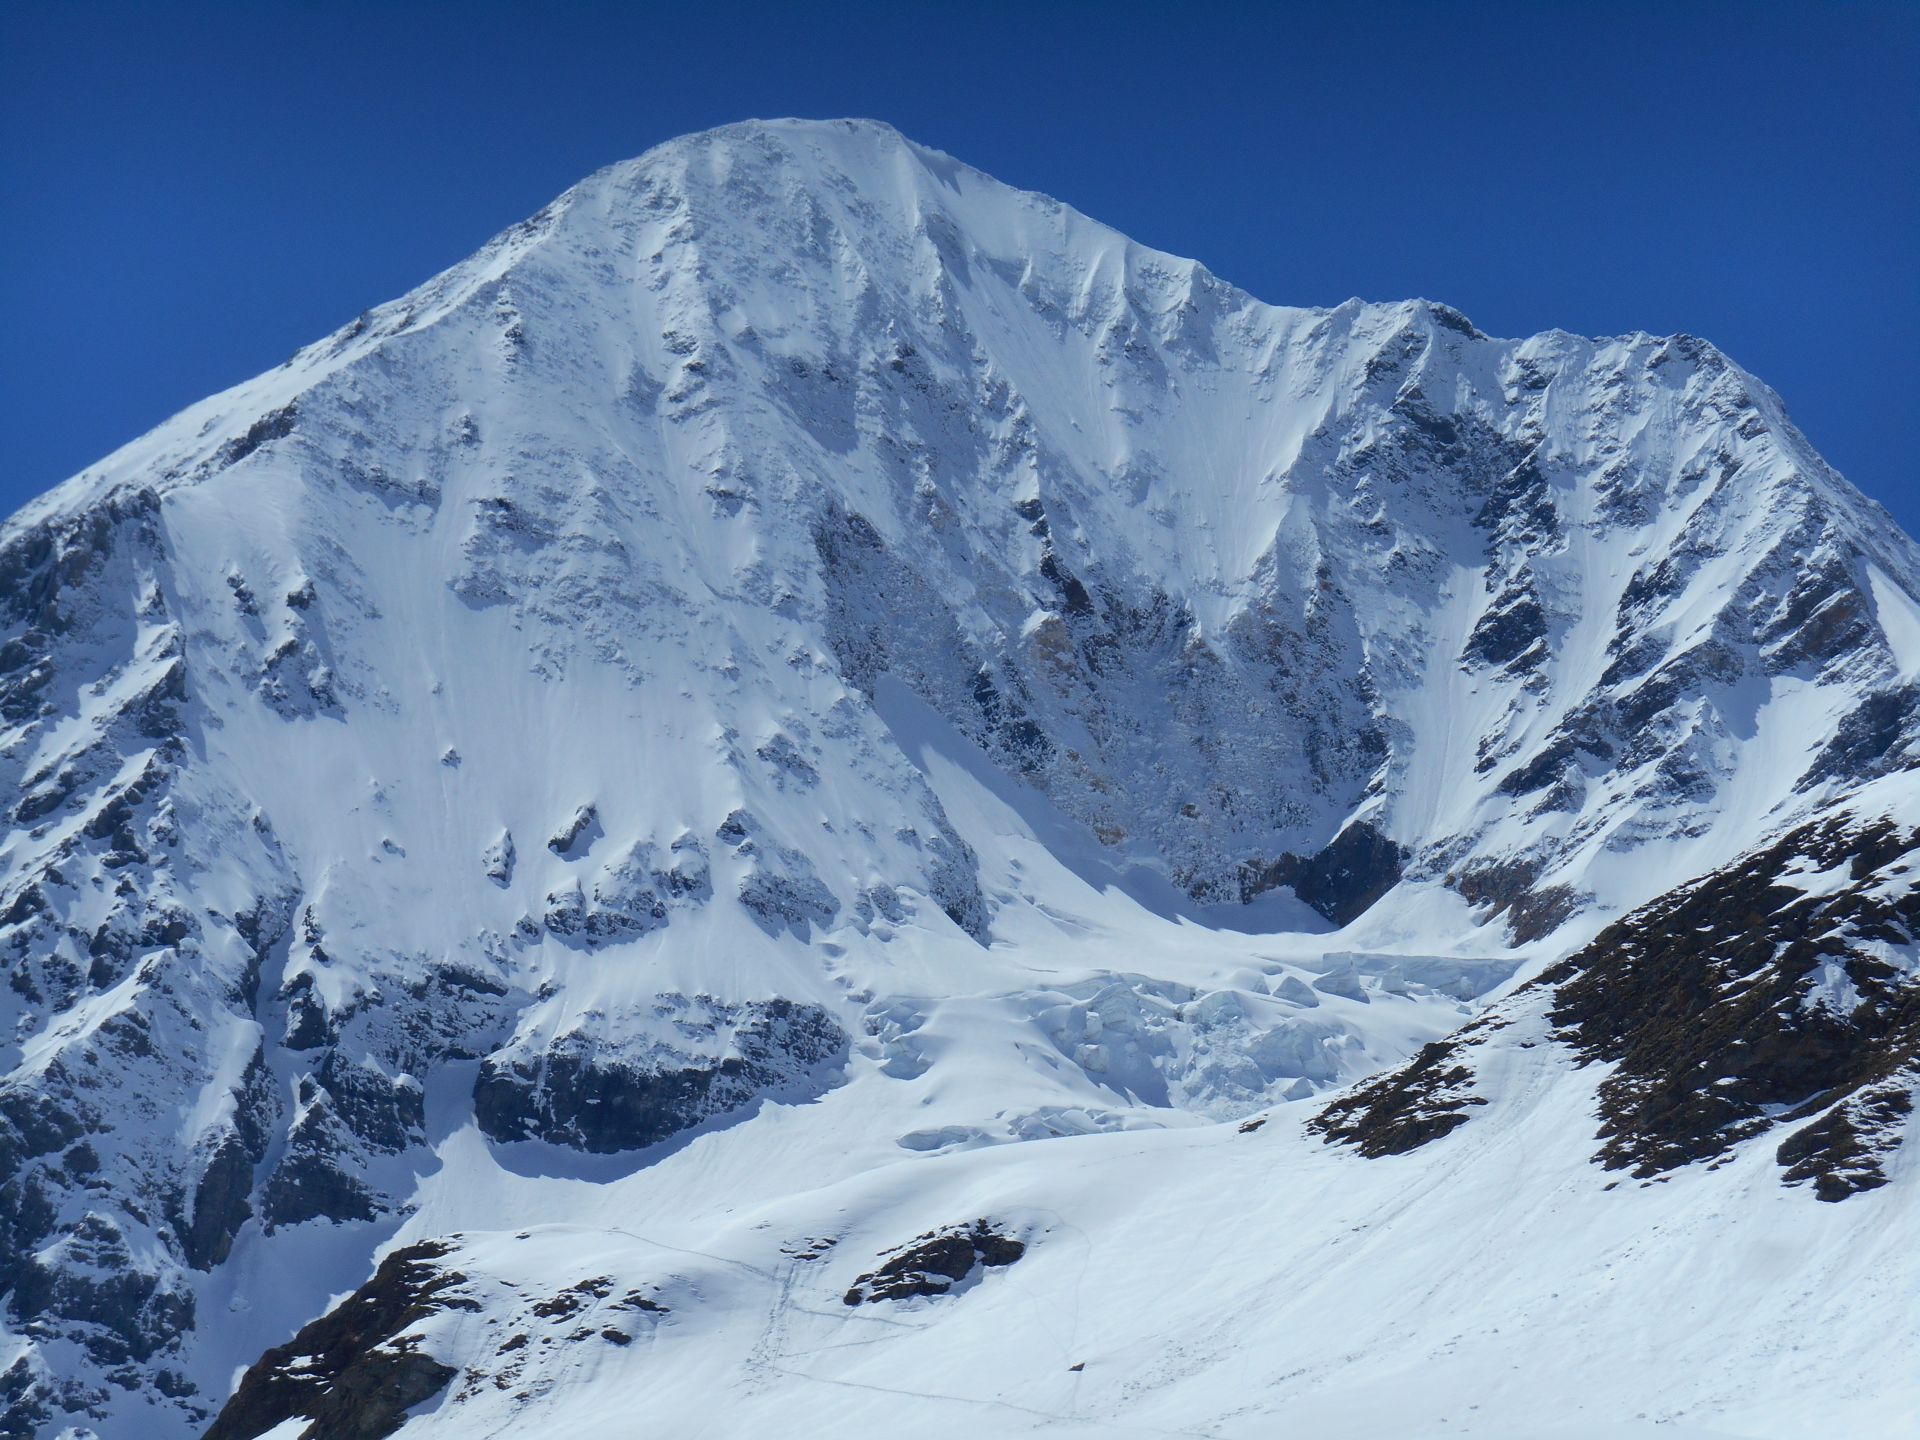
810 380
801 670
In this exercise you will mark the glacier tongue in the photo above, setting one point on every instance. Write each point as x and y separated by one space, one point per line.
806 712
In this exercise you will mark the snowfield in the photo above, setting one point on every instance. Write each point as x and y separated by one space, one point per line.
817 796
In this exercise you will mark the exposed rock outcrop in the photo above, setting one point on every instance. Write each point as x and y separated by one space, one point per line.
935 1263
720 1057
354 1373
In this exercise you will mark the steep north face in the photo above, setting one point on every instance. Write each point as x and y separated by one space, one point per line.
800 682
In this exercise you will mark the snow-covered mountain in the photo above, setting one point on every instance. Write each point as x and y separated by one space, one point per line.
820 791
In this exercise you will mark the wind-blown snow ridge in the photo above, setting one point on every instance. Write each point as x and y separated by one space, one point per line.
807 718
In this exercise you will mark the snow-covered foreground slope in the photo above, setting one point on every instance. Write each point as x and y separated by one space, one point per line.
819 791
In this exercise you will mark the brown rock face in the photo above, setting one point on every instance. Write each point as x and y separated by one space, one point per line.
352 1373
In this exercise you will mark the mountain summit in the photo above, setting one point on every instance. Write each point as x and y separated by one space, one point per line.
819 789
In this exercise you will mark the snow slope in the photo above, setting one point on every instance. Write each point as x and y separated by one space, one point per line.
803 695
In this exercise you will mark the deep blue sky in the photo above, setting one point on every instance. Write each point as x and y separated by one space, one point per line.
188 192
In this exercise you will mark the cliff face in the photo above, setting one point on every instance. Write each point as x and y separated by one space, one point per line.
797 631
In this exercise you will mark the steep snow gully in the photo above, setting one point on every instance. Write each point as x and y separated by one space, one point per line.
815 796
